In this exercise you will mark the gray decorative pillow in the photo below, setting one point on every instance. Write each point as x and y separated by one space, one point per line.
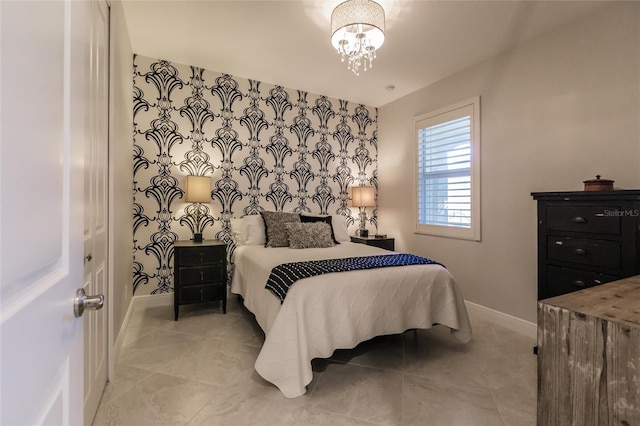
309 235
275 232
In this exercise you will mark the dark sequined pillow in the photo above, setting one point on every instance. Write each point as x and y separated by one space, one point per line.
309 235
325 219
275 232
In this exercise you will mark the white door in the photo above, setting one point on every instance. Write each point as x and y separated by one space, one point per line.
95 213
44 96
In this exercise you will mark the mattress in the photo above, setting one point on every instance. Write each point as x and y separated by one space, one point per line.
339 310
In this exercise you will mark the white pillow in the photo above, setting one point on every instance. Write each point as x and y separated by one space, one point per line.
248 230
339 224
340 230
254 230
238 231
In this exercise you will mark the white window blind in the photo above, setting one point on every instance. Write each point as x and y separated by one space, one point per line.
447 196
444 163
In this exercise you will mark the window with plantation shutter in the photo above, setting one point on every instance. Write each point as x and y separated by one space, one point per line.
447 169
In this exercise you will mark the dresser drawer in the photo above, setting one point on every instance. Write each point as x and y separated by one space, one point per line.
586 238
202 293
589 219
565 280
201 274
201 255
584 251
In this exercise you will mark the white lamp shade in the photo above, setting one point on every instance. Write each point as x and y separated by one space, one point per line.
363 196
198 189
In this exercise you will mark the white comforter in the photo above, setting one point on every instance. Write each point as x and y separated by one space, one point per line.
339 310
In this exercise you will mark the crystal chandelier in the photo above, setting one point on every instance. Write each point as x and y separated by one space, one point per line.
357 31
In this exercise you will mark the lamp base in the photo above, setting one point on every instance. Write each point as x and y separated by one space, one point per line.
197 238
362 233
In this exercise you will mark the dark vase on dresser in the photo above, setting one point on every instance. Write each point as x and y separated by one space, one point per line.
586 238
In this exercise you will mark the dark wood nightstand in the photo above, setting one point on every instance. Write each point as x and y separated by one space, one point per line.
200 273
385 243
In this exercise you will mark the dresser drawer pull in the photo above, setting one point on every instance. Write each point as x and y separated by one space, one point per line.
599 215
201 275
580 251
579 219
579 283
201 294
201 257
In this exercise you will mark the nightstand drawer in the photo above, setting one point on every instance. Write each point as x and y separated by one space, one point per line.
202 293
565 280
195 256
591 219
201 274
584 251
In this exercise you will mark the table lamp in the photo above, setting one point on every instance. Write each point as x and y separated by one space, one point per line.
198 192
363 197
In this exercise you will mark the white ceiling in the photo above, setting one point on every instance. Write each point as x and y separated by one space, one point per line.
288 42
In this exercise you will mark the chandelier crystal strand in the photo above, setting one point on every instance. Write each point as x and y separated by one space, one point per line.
357 32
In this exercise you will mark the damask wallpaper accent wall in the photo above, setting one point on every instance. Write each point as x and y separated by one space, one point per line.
265 147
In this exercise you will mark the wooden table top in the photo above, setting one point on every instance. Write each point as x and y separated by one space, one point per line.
617 301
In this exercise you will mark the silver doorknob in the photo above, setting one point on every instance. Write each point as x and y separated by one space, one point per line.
82 302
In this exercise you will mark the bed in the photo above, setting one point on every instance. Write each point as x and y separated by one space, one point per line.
337 310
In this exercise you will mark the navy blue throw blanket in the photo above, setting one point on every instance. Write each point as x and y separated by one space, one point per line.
283 276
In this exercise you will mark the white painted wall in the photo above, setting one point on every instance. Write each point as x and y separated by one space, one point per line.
121 169
557 110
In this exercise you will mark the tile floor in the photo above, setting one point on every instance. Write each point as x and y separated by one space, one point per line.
199 371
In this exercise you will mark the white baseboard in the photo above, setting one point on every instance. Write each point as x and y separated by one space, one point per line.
152 300
139 302
117 347
516 324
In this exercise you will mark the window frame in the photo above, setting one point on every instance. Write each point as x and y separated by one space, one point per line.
439 116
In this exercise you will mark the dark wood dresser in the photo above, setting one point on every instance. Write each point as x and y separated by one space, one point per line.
200 273
586 238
